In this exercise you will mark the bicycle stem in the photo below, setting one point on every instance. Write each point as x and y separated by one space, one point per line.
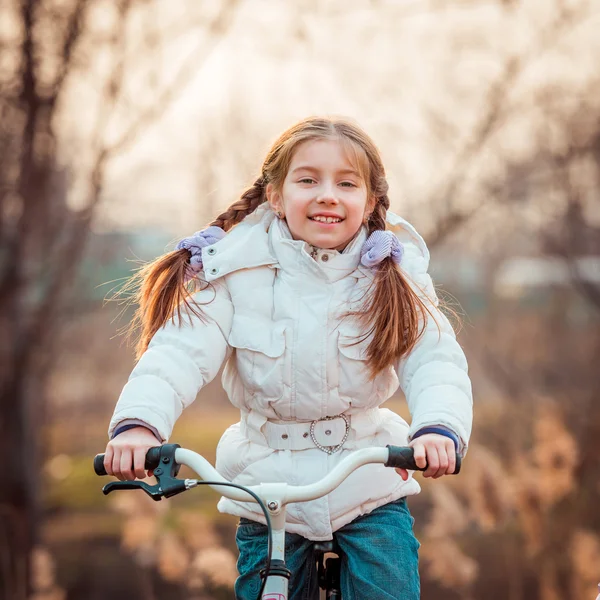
276 586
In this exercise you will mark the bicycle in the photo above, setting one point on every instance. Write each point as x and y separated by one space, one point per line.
272 498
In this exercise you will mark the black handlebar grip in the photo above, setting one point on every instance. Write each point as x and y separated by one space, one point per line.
152 460
404 458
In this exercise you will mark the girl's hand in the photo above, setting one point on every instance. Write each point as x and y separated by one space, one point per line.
436 451
125 455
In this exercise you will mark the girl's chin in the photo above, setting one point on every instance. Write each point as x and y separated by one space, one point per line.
329 242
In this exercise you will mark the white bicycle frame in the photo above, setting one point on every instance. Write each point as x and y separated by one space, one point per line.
277 495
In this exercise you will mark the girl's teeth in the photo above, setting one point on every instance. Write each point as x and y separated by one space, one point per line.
327 219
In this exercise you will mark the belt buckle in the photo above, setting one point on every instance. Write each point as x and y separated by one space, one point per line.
330 449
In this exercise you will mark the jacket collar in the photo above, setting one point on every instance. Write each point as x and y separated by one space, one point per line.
263 240
298 257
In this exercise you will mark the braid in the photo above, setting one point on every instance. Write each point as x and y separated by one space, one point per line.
250 200
394 312
377 219
380 188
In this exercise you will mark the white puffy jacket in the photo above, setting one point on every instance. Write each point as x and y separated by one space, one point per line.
273 313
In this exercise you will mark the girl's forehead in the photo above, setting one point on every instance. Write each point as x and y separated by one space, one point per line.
326 154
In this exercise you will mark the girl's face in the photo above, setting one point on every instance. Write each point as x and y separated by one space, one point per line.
324 197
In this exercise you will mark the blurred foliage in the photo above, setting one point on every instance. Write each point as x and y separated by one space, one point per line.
488 117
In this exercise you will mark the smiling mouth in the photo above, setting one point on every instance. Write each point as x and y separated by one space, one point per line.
326 220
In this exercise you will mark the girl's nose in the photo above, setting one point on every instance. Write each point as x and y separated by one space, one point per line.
327 195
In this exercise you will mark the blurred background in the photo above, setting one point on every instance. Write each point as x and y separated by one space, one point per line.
127 124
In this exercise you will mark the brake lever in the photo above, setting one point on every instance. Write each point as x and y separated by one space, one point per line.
153 491
165 473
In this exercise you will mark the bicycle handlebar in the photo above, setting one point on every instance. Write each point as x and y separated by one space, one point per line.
165 461
400 457
390 456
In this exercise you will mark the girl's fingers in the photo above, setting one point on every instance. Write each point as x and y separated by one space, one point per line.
433 461
436 452
420 455
139 460
116 463
444 460
451 459
403 473
127 464
108 460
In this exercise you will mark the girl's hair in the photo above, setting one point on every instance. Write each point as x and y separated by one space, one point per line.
392 312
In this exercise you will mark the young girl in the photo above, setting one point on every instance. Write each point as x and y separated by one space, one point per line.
318 301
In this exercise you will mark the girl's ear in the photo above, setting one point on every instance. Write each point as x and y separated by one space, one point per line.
274 198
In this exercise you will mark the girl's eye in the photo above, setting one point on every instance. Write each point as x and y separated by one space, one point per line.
311 180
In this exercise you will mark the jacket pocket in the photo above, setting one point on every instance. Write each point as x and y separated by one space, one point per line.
353 346
352 372
355 381
259 346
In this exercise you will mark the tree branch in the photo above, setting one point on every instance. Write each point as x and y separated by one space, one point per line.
72 35
496 106
190 66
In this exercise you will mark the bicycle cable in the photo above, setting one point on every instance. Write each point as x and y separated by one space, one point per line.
267 518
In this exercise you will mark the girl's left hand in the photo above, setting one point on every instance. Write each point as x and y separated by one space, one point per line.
435 451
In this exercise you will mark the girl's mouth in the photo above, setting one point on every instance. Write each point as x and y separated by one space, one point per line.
326 220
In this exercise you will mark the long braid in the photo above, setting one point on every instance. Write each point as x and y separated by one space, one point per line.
377 219
249 201
393 311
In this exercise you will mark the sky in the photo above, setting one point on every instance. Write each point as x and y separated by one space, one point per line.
416 78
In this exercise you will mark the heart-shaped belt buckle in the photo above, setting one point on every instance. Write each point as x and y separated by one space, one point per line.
330 449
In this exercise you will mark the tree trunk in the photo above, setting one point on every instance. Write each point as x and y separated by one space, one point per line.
19 508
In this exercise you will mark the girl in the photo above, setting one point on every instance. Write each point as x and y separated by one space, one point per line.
319 303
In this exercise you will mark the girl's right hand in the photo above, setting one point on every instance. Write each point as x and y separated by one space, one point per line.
125 454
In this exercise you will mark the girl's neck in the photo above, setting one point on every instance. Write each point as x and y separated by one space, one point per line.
314 249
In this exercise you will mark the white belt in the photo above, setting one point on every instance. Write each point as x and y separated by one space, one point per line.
328 434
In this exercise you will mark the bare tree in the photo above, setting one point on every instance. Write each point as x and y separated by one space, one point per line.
544 358
50 50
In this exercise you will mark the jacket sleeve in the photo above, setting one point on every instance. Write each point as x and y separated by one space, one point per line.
180 360
434 376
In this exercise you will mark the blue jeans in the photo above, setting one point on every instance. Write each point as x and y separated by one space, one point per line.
379 555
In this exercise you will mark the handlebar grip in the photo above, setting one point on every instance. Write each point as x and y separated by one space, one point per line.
152 460
404 458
